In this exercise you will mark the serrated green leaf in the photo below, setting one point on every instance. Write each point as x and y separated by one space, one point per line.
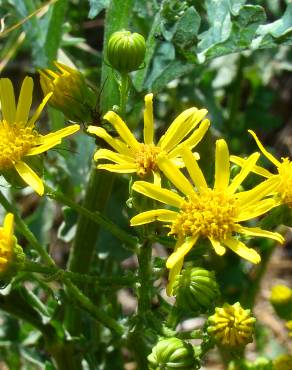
96 6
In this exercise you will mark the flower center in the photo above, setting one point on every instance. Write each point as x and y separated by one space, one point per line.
285 188
146 159
15 142
210 214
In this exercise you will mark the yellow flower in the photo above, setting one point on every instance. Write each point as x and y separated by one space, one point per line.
214 214
289 326
231 325
18 136
283 177
71 95
130 156
7 241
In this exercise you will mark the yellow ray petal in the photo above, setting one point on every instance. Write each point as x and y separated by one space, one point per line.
29 177
148 120
174 175
43 148
256 169
158 193
39 110
7 98
218 247
257 231
193 140
24 100
238 179
252 211
116 144
172 275
222 166
163 215
181 251
8 226
118 168
263 150
242 250
122 129
114 157
267 187
180 127
156 178
194 169
60 134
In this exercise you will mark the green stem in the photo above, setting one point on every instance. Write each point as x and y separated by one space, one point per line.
144 275
90 307
124 90
60 274
97 218
25 231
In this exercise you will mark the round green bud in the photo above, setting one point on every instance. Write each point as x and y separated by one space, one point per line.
172 353
126 51
281 299
196 289
283 362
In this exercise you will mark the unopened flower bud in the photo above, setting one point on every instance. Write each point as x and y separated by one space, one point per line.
281 299
231 325
71 95
11 254
126 51
172 353
283 362
196 289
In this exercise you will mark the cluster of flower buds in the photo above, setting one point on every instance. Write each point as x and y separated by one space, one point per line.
196 289
173 353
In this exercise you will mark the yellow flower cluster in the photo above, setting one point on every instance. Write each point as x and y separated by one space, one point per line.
193 209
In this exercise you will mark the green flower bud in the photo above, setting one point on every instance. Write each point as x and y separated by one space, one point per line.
260 363
196 289
231 325
126 51
281 299
283 362
71 94
172 353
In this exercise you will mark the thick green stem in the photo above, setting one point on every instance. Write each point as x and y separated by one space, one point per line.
90 307
124 90
144 289
24 230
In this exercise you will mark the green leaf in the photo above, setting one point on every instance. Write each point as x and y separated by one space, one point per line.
187 29
234 32
96 6
275 33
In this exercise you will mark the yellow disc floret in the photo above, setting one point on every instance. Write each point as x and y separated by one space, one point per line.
15 141
146 159
211 214
231 325
285 187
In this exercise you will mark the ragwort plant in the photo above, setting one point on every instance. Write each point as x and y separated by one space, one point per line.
72 316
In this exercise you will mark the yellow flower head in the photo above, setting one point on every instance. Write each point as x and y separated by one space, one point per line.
283 178
212 213
289 326
231 325
281 294
71 95
18 135
7 241
131 156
